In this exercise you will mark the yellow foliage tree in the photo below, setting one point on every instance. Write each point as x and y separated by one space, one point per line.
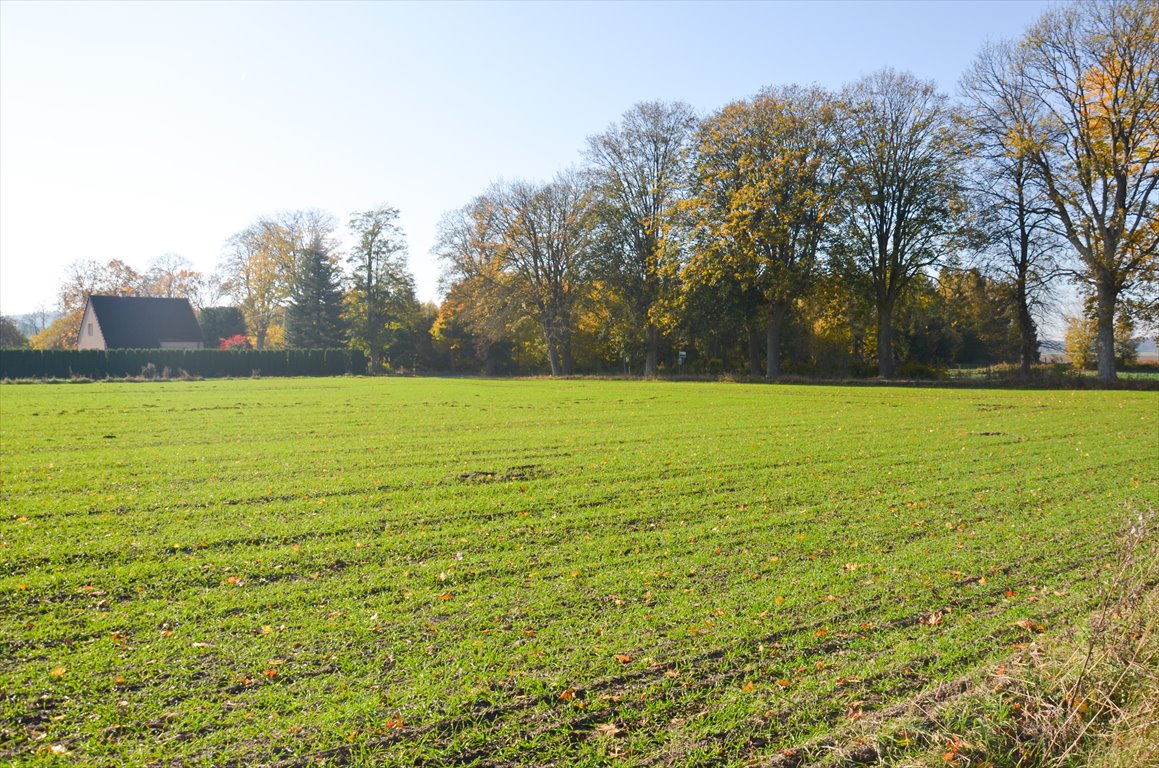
1094 67
762 202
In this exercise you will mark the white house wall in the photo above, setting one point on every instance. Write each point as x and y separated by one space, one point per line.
90 336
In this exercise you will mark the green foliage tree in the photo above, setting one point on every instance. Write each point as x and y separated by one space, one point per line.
261 264
10 335
382 293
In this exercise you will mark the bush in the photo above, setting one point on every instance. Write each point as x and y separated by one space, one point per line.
195 363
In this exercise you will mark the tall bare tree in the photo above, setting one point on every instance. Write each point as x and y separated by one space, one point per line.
1017 239
1093 69
545 243
899 191
641 167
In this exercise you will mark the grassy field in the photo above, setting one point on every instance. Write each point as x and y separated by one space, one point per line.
452 572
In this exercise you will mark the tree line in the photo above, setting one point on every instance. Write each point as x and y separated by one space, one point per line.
883 227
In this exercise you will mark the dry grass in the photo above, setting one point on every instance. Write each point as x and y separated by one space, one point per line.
1089 697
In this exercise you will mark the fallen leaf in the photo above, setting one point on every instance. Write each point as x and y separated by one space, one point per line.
609 729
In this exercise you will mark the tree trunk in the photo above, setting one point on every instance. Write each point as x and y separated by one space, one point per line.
754 349
1027 332
489 362
651 362
553 358
565 359
885 367
773 347
553 354
1105 342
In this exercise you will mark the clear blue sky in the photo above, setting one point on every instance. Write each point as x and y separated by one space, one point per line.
130 130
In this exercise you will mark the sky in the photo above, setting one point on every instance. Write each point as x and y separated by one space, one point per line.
133 130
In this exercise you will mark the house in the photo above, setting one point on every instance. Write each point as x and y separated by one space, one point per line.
138 322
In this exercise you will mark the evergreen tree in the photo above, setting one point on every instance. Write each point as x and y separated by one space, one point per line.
219 323
314 313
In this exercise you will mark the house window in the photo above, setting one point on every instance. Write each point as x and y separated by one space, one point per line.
90 329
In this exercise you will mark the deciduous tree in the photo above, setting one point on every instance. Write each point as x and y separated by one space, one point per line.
899 199
481 295
641 170
382 293
545 243
259 266
1017 240
1093 68
763 198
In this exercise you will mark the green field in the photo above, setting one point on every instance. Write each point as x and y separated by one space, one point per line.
454 572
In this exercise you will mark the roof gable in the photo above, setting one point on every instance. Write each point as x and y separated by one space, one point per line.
144 322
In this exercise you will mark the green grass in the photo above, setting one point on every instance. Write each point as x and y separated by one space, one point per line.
514 572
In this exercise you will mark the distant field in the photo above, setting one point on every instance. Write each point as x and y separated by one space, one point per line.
423 571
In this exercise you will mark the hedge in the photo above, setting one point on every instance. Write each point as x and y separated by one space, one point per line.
177 363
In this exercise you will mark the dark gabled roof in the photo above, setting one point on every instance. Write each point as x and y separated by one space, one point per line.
143 322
